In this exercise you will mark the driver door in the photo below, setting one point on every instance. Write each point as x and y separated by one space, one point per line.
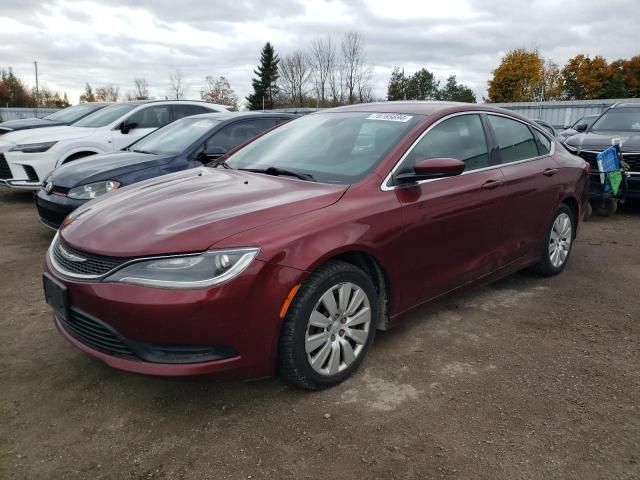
144 121
452 226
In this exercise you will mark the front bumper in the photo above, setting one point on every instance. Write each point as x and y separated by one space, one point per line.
25 171
239 320
53 208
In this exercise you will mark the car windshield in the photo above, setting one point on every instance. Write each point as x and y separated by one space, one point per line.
175 137
105 115
331 147
620 119
72 114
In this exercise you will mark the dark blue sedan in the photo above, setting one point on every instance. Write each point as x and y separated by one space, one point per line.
186 143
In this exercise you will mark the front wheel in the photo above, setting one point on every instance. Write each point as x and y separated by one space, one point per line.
329 326
558 242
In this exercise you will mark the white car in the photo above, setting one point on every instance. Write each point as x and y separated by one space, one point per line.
28 156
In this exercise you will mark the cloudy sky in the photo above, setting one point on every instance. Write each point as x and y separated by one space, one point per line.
111 41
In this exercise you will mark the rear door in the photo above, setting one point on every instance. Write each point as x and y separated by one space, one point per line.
452 226
146 120
531 187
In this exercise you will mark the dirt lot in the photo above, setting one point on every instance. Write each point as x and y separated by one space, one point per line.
527 378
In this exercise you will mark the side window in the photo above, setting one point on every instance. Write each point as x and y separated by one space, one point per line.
151 117
514 138
461 137
180 111
544 144
233 135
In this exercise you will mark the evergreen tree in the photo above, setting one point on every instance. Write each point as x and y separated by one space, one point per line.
265 87
397 88
422 86
456 92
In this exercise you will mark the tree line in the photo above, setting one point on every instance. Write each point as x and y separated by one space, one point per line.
325 73
422 85
14 93
525 76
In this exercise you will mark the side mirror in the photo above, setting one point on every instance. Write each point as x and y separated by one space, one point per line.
125 127
211 153
581 128
432 168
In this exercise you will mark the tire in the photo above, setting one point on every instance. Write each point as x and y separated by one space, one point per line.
553 263
606 207
326 352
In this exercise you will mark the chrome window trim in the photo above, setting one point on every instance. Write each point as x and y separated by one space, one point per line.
385 187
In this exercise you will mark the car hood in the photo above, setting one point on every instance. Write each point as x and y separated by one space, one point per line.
48 134
599 140
27 123
104 166
190 211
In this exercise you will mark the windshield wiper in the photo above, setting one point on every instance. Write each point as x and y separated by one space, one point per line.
280 171
217 162
144 151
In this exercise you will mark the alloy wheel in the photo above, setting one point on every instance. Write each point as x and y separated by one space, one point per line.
338 328
560 240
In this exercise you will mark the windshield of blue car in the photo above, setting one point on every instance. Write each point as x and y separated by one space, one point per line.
71 114
619 119
175 137
331 147
105 116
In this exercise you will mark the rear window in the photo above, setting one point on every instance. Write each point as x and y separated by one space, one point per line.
514 138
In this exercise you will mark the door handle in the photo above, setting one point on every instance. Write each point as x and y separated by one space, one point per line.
550 172
491 184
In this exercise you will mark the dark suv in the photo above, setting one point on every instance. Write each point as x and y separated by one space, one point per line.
621 121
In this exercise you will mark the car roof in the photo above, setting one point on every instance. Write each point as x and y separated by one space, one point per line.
144 102
233 115
402 106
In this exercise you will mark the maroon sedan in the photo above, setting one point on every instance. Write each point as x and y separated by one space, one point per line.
291 254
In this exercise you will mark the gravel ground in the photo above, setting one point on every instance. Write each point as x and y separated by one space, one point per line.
527 378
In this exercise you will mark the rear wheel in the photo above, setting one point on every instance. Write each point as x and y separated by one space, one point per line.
558 242
328 327
605 207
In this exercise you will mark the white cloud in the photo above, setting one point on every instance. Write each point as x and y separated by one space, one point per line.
111 41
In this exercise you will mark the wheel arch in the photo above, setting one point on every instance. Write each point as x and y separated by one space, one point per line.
574 206
367 260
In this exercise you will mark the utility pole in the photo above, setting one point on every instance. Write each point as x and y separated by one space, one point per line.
37 90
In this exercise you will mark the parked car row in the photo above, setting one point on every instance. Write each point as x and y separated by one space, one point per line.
282 246
28 155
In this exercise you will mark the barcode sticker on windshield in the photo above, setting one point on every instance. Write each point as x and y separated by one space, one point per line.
390 117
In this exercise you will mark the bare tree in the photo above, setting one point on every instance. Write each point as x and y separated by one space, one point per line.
177 88
357 74
108 93
141 91
218 90
295 71
323 60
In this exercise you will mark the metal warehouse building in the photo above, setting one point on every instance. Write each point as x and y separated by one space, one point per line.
561 114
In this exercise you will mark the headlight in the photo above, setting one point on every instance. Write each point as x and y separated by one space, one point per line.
33 147
92 190
187 271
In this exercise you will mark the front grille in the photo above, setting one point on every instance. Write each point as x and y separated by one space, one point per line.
50 217
95 334
590 157
92 265
31 173
633 159
5 171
